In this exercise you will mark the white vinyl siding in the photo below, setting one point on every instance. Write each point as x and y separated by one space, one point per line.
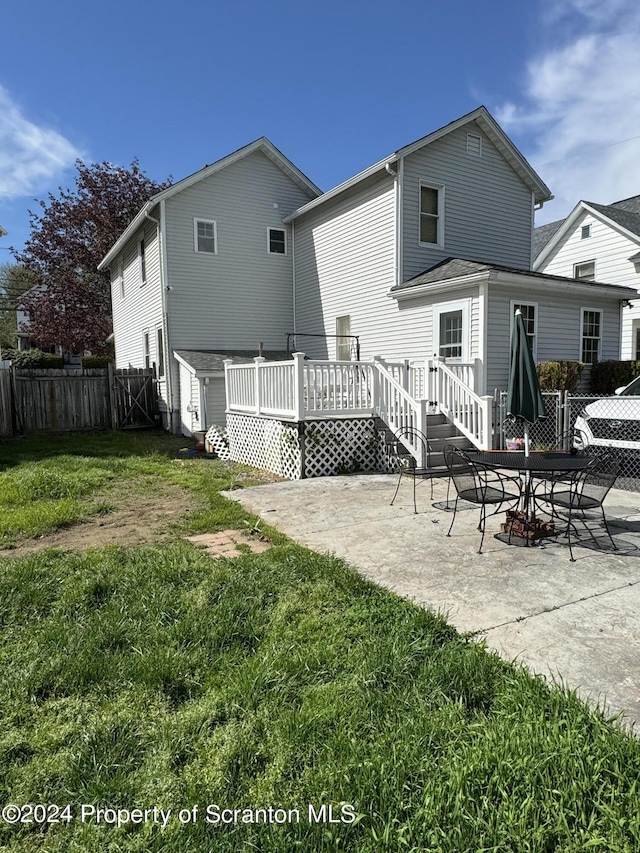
558 332
142 307
242 296
345 264
487 208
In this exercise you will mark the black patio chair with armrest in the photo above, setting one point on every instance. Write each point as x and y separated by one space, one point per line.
479 484
404 438
585 491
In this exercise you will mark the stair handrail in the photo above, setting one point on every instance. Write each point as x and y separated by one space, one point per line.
398 410
470 413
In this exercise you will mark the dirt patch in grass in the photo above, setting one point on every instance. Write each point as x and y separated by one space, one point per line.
140 517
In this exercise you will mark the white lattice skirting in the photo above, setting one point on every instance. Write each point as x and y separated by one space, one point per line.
311 449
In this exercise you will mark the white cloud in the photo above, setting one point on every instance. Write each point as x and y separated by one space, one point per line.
579 123
30 156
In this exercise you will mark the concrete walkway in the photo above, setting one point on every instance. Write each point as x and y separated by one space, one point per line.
578 623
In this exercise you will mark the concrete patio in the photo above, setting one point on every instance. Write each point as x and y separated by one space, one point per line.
578 623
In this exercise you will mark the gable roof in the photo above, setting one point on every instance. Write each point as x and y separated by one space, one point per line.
622 215
483 118
460 271
262 144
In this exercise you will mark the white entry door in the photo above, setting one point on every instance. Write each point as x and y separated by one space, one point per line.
451 330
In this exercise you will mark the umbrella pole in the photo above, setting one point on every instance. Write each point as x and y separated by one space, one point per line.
527 477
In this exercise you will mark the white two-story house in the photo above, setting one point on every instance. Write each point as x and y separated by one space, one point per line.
205 272
428 251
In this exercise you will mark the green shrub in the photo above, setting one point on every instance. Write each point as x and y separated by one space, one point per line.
51 361
89 362
559 375
606 376
35 359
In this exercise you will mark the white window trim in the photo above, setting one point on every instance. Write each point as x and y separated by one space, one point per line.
120 277
213 222
534 305
347 335
587 226
440 230
160 329
595 311
146 348
584 263
284 231
142 264
463 305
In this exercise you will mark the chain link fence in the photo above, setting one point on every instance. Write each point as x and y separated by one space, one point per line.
602 424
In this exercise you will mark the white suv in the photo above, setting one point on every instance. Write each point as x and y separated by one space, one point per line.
612 421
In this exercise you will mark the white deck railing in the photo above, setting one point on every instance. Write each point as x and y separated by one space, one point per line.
398 392
470 413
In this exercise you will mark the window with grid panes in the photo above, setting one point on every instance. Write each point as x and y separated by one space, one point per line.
528 312
591 333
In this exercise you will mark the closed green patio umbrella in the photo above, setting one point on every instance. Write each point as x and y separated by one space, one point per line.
524 398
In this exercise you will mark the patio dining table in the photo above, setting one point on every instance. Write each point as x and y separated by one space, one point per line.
541 464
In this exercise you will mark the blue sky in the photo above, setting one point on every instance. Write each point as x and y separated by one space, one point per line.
335 85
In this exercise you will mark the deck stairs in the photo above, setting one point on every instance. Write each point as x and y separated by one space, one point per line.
441 433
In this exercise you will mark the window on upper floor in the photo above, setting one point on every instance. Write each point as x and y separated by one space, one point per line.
205 236
585 270
529 311
585 232
276 241
431 214
142 261
591 334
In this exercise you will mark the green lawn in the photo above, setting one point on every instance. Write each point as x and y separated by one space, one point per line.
157 677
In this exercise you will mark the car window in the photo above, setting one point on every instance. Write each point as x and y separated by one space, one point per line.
632 390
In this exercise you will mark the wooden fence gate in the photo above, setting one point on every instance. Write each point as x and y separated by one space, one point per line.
77 400
134 398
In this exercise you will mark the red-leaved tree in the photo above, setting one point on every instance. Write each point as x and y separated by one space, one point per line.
70 306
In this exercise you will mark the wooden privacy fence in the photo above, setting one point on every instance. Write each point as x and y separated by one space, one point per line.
76 399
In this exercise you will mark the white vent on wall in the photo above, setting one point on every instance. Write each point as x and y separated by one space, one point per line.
474 144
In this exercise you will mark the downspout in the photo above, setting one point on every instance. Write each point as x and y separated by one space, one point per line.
165 323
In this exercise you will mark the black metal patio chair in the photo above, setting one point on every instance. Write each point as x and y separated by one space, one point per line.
583 492
478 484
404 438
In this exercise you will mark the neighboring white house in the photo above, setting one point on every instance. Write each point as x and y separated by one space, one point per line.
204 272
428 251
600 243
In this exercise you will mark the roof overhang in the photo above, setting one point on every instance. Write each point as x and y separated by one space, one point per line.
524 282
485 121
570 223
